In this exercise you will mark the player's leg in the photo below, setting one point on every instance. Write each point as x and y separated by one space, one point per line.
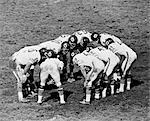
43 77
123 67
56 77
88 87
127 71
21 79
86 71
112 67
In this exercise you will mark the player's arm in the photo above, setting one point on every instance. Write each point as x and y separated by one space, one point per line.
27 67
88 75
107 65
29 64
68 63
90 72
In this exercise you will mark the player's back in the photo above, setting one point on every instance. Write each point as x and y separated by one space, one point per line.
105 36
51 45
117 49
26 57
101 53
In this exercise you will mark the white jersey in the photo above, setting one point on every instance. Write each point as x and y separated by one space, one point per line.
51 45
61 38
130 55
52 63
118 49
97 66
86 60
105 36
104 54
25 57
82 33
82 59
127 48
51 66
29 48
26 49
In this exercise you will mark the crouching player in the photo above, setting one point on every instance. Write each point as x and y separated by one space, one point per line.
111 63
90 67
22 62
121 50
65 56
51 66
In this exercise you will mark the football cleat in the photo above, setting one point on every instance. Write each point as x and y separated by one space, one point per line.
84 102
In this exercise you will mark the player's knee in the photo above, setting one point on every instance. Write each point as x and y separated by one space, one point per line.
105 78
60 88
42 83
43 76
58 84
32 67
41 86
117 61
89 85
105 81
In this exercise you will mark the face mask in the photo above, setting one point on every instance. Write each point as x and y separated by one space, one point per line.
49 55
65 51
72 45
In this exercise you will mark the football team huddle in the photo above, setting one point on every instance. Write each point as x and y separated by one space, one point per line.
103 61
